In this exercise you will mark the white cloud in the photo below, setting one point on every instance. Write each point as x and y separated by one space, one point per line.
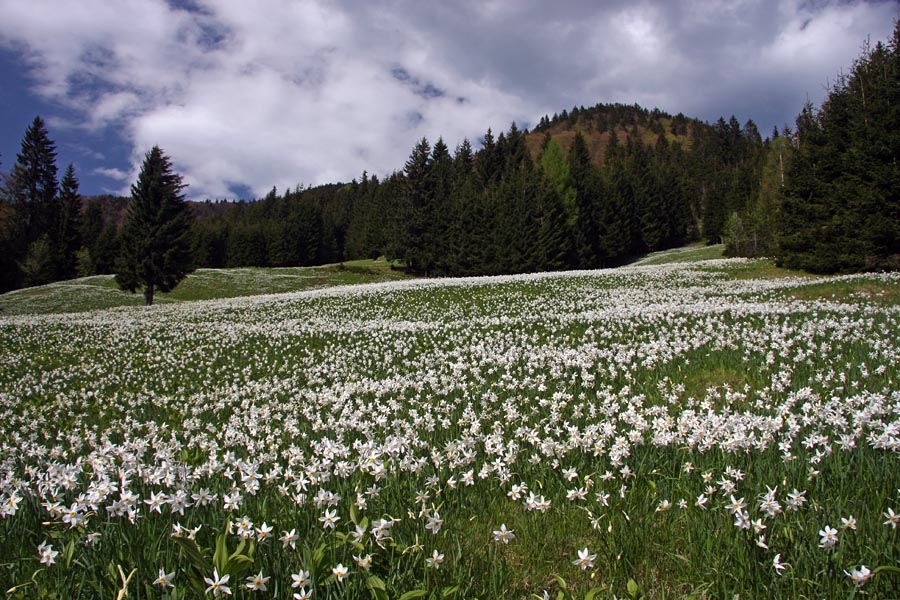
111 173
283 92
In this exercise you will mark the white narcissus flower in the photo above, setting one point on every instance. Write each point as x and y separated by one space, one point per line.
217 585
257 583
434 523
503 534
329 519
299 580
435 561
584 560
859 576
829 537
164 579
289 538
48 554
363 562
779 566
340 571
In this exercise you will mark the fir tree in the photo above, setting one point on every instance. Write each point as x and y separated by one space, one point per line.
155 245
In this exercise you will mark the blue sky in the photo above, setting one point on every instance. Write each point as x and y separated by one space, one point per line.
247 95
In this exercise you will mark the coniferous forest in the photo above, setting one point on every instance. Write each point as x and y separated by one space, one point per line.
586 188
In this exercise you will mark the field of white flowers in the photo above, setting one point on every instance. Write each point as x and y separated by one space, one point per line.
660 431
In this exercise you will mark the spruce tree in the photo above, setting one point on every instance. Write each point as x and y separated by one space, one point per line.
439 217
841 207
417 209
552 245
33 182
69 236
30 192
586 179
155 242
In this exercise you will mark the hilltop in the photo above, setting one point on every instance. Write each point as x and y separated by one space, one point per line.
599 123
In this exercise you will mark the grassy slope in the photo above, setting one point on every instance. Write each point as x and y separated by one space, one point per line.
100 292
686 254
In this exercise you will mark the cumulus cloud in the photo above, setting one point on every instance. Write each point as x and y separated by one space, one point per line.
251 94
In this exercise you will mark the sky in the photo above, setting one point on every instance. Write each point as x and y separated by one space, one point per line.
247 95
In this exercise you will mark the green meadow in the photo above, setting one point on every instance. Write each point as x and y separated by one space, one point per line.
688 427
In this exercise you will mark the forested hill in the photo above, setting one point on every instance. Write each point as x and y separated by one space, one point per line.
599 124
587 188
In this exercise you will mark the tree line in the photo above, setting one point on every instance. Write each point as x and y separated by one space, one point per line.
40 216
508 207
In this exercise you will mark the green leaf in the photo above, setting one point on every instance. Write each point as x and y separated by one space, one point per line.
238 564
449 591
413 594
193 554
380 595
632 587
374 582
593 592
318 555
69 553
220 557
240 548
562 583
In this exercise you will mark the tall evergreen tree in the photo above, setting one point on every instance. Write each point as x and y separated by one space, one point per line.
30 191
552 246
155 246
33 183
586 180
488 162
842 198
440 217
69 236
417 209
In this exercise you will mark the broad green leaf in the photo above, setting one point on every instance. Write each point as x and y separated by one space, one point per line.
376 583
194 555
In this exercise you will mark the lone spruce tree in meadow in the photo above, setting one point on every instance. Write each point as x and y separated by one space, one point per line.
156 253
